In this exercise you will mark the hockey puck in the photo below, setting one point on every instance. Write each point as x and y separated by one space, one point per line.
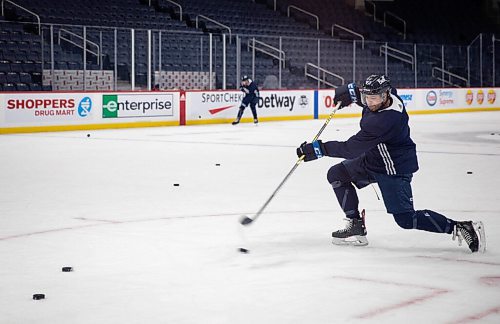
217 164
176 184
243 250
38 296
88 135
469 172
67 269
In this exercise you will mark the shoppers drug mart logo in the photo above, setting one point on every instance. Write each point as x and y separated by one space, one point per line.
84 107
137 105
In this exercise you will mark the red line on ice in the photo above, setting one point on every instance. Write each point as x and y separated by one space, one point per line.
458 260
479 316
434 293
50 231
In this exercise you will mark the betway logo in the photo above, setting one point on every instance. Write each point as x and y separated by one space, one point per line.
275 101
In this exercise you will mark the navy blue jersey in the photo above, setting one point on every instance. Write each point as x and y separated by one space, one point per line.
251 92
384 140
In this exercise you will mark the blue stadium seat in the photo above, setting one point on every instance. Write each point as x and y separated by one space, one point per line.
9 87
5 66
16 66
22 87
25 77
12 77
35 87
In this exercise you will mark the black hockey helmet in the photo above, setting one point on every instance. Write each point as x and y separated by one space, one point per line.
244 78
376 84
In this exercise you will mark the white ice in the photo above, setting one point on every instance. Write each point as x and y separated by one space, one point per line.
146 251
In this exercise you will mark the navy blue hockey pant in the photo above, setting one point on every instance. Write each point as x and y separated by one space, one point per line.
396 193
249 101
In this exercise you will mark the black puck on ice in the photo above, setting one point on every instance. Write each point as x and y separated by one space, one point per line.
217 164
243 250
38 296
88 135
469 172
176 184
67 269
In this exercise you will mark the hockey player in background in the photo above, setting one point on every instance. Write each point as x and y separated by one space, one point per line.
251 98
381 152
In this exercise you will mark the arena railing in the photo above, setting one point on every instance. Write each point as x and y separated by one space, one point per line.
22 8
321 75
304 11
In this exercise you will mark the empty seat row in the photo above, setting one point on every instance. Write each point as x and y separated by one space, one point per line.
18 66
24 87
13 77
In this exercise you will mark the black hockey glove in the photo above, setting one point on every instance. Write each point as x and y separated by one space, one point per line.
348 94
311 151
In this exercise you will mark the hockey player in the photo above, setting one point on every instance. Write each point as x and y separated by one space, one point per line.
382 152
251 98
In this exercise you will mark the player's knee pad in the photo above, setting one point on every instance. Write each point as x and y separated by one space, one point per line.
337 175
406 220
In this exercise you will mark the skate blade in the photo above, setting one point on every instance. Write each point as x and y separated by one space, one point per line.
479 228
353 240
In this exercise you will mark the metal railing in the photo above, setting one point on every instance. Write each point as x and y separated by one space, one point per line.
351 32
397 54
480 37
321 76
388 13
302 50
178 5
65 31
280 56
215 22
374 9
449 75
303 11
28 11
493 40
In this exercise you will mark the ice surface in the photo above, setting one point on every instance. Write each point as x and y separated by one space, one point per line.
146 251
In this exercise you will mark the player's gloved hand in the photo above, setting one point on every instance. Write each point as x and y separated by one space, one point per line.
347 94
311 151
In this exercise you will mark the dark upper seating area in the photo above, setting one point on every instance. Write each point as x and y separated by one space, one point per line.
442 22
20 59
185 47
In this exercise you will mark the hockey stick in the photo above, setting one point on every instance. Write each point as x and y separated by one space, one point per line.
245 220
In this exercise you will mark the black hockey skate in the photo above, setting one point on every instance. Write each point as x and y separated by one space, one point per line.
255 121
472 233
236 122
353 234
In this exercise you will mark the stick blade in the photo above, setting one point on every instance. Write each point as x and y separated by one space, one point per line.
245 220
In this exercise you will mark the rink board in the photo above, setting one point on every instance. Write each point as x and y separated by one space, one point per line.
58 111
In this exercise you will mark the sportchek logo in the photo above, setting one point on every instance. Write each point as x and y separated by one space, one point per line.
267 101
137 105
